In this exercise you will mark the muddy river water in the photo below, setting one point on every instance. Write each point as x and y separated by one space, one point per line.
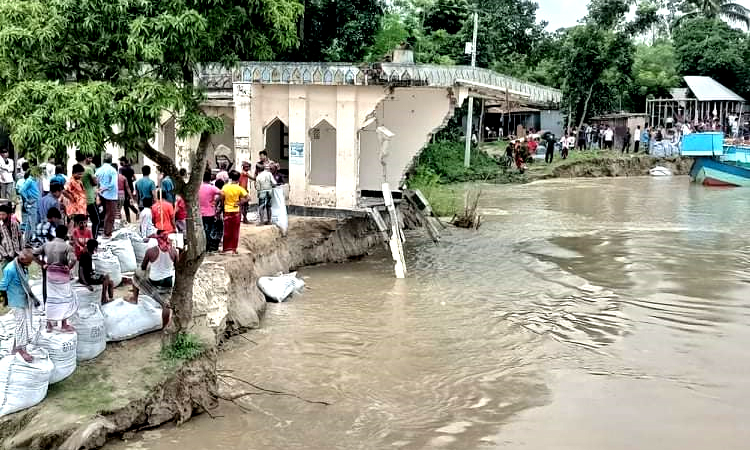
584 314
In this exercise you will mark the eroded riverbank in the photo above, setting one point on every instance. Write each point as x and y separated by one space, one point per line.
129 387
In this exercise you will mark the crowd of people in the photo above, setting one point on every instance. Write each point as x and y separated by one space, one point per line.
62 215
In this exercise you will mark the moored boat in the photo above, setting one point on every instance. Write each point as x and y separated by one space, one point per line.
717 164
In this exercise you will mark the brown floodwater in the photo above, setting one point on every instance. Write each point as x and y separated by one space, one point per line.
584 314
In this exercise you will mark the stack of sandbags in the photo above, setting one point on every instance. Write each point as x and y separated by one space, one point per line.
92 335
61 348
106 263
22 384
124 320
279 288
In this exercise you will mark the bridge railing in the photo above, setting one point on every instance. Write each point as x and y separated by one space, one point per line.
216 77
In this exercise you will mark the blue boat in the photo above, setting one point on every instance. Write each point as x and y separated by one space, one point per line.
717 164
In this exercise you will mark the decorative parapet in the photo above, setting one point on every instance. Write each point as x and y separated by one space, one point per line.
217 78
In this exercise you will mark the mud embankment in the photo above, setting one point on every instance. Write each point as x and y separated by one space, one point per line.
620 167
130 388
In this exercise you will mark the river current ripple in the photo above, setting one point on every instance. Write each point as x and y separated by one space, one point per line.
584 314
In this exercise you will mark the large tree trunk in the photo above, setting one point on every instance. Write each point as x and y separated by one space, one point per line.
195 242
585 107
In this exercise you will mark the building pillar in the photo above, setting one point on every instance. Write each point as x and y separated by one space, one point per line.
299 149
242 96
347 150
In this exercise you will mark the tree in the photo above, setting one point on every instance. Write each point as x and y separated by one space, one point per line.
712 9
654 71
337 30
87 72
712 48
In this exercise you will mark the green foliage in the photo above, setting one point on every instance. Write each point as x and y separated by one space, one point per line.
445 160
337 30
713 9
85 72
711 47
654 71
183 347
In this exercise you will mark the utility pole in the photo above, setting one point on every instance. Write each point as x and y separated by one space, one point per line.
470 118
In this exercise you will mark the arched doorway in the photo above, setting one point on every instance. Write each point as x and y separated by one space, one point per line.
277 143
323 154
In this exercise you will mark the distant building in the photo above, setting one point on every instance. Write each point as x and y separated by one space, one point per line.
703 101
621 122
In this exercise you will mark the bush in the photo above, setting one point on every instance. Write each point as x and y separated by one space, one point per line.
445 160
184 347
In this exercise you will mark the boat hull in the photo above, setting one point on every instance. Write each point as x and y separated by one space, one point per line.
711 172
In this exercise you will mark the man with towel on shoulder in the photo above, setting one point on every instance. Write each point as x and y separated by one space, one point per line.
15 290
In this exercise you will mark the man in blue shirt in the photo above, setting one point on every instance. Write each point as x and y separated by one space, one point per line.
645 139
49 201
15 290
167 187
30 193
145 187
106 177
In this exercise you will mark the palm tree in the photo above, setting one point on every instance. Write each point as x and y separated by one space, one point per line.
725 9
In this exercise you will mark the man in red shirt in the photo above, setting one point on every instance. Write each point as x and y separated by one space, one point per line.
163 212
180 214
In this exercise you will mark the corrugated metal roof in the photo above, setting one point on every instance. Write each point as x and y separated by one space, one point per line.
707 89
679 93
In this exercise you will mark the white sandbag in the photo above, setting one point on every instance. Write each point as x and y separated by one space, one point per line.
22 384
92 336
123 250
87 297
8 329
124 320
278 289
125 234
61 348
279 216
105 263
177 240
660 171
140 247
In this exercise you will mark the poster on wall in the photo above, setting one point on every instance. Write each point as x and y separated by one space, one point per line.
297 153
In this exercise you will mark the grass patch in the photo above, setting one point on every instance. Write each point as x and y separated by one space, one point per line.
87 391
184 347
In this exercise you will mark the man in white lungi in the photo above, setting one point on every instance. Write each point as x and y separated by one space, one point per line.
59 259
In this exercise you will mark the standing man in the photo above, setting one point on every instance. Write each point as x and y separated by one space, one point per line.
49 201
6 175
626 141
11 243
234 196
609 138
245 176
163 214
48 171
582 138
549 155
167 187
75 193
29 192
207 196
126 170
637 139
106 177
15 290
645 140
89 184
145 187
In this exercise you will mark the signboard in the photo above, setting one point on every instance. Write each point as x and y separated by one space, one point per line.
297 153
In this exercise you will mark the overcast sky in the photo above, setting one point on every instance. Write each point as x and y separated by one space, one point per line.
565 13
